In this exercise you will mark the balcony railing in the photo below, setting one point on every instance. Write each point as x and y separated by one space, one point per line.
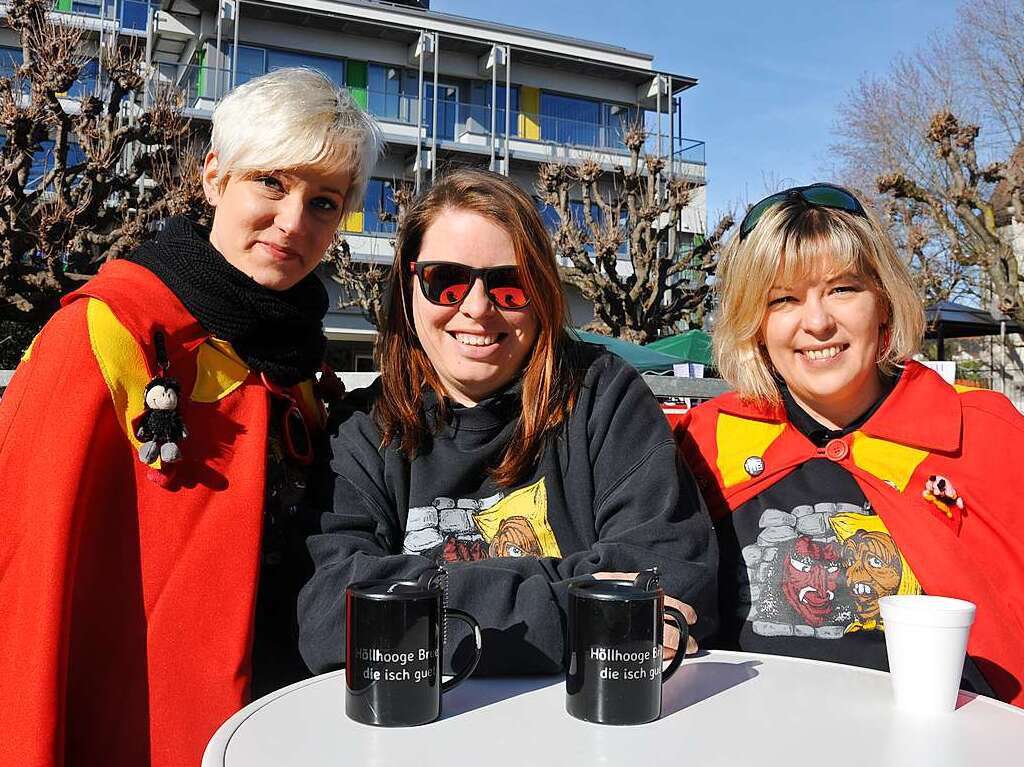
457 121
131 14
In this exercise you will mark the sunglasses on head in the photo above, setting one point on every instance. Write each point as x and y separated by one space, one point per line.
447 284
816 195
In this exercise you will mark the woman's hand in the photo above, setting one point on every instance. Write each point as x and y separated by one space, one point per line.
671 632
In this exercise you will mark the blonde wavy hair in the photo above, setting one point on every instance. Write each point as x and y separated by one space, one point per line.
792 241
295 118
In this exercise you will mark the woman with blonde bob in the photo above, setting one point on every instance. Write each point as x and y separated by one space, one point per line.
840 471
498 445
160 448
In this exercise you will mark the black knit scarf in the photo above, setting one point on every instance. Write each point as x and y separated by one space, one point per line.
277 332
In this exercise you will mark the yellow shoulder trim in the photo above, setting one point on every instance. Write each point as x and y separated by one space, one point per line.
121 362
739 439
889 461
25 355
961 389
219 371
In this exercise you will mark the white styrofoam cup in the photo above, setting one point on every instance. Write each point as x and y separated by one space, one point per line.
926 640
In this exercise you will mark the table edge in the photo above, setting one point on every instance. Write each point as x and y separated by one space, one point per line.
217 747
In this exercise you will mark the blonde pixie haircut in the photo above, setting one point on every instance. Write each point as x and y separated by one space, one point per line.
295 118
795 240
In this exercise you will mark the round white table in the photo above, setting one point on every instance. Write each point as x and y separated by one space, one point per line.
723 708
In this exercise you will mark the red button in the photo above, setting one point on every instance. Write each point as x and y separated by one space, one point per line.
836 450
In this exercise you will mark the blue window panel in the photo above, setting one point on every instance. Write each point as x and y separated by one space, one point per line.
10 60
569 120
480 109
616 120
252 62
447 110
380 197
42 161
333 68
85 83
384 92
135 13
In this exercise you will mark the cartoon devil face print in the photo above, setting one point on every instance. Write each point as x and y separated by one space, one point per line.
810 579
873 570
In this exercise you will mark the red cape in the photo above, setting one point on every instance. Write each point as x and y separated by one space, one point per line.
127 607
975 438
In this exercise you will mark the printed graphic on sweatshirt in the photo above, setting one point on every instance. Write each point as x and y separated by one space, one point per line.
819 571
466 529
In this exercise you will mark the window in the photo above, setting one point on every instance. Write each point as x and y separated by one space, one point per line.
253 61
85 83
480 109
364 363
10 60
135 13
616 120
385 97
552 220
447 110
380 197
569 120
333 68
42 161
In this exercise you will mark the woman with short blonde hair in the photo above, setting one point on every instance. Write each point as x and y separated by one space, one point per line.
840 471
151 564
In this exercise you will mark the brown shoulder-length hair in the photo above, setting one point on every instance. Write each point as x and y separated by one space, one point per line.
551 377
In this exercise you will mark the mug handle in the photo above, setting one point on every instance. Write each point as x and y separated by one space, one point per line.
470 621
684 634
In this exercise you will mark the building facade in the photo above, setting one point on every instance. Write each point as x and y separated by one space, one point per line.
447 90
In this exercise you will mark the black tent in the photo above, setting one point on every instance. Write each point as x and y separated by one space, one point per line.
950 320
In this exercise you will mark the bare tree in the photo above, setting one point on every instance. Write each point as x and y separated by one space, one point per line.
110 168
363 283
937 144
668 280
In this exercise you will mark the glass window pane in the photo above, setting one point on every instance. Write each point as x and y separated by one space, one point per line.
251 63
333 68
569 120
10 59
380 197
134 13
85 83
384 85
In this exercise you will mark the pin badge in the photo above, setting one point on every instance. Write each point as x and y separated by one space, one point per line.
754 466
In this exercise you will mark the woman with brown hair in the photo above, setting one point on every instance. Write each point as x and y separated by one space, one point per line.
499 445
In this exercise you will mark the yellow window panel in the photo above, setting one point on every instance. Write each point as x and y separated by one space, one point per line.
353 222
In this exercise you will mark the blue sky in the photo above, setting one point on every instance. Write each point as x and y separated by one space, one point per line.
771 73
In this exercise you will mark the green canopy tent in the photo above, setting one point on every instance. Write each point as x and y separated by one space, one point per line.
642 358
691 346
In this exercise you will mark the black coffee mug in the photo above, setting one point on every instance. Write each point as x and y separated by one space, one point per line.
394 647
616 643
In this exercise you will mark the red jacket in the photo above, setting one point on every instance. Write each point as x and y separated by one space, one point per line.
973 549
127 607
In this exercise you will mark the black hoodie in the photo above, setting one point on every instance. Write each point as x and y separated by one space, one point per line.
607 494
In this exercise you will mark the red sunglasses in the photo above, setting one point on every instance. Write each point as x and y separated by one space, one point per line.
447 284
294 430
